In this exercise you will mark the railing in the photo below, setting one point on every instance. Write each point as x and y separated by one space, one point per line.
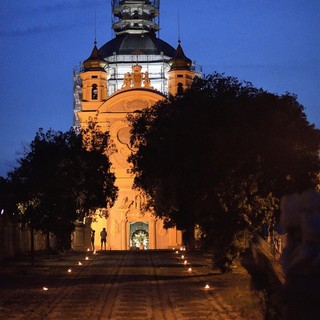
266 254
274 244
277 243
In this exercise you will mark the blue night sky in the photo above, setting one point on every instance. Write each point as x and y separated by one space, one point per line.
275 44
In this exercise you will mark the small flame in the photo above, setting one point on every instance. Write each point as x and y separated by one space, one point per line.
79 263
185 262
45 289
190 269
207 286
88 249
69 270
87 258
182 257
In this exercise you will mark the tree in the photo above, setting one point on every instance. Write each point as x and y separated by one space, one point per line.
61 179
5 196
221 156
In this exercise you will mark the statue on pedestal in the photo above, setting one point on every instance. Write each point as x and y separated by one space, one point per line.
299 297
135 78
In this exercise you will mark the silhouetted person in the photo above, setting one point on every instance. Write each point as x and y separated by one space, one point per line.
103 235
92 239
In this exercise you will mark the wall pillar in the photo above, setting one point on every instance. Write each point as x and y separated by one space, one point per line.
152 234
124 235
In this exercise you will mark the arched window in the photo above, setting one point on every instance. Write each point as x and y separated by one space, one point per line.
94 92
180 88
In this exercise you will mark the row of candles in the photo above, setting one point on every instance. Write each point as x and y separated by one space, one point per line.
185 262
70 269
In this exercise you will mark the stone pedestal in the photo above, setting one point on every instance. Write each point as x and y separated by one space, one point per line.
81 237
299 298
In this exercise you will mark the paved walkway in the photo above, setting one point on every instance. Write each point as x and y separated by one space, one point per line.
113 285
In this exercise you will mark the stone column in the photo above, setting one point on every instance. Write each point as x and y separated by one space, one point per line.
124 245
153 234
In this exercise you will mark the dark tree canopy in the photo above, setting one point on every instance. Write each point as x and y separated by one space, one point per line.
7 198
221 156
60 179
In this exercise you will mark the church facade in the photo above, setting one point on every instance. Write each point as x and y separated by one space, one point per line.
132 71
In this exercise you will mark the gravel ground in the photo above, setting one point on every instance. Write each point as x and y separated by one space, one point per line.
124 285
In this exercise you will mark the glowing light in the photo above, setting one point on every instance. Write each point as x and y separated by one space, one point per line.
190 270
177 252
87 258
45 289
88 249
182 257
185 262
2 211
94 252
69 270
79 263
207 286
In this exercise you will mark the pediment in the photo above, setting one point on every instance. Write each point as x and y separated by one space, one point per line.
131 100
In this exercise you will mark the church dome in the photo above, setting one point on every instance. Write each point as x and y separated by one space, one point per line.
142 44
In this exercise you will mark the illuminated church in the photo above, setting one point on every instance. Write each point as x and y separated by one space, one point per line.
132 71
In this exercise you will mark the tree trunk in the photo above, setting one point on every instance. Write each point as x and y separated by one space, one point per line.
188 238
48 248
32 241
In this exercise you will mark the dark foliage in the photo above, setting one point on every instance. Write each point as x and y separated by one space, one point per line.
221 156
61 178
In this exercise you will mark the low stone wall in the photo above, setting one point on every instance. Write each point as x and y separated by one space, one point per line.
267 262
15 239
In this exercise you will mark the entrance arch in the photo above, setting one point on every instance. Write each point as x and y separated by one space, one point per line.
139 235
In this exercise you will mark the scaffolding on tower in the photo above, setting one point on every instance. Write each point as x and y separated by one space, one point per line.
135 16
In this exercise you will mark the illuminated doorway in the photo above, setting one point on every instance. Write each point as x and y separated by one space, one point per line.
139 235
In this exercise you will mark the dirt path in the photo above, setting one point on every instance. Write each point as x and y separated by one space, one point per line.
116 285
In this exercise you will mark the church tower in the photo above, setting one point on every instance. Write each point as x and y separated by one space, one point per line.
180 73
132 71
94 81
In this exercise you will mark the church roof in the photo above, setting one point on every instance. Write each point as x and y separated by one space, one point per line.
180 61
95 61
128 44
